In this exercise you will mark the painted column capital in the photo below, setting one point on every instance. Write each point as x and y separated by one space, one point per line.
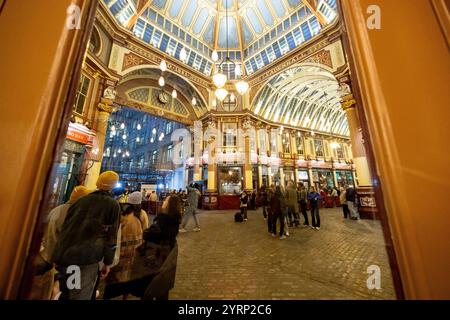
105 105
348 102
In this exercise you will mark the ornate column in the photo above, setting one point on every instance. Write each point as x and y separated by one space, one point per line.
366 195
210 199
248 174
258 153
198 138
105 109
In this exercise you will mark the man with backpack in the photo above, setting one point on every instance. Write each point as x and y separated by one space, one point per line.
244 201
193 196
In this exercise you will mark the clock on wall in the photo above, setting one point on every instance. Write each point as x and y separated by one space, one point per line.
163 98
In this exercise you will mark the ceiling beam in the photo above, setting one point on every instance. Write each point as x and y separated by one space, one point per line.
139 13
240 31
313 9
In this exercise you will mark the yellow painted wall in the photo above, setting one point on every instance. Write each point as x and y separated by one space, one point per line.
404 74
36 61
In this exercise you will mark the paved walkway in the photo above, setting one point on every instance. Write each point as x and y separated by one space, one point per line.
229 260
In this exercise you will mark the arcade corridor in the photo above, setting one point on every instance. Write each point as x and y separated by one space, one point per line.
242 261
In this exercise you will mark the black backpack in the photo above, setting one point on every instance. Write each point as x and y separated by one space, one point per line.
238 217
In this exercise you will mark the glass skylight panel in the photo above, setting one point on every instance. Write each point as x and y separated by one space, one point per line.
160 20
148 33
139 28
171 48
248 67
164 42
290 40
298 36
197 62
306 31
270 54
315 27
265 57
283 45
259 61
156 38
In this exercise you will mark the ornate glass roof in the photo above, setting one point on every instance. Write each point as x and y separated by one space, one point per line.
254 26
308 97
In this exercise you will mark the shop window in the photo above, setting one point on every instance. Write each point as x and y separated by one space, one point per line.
154 157
300 145
318 147
169 127
230 180
229 135
81 95
286 143
169 153
340 152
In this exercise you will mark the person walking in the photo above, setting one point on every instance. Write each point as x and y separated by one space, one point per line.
292 204
270 193
264 201
244 199
276 207
303 202
343 201
88 237
193 195
314 197
351 203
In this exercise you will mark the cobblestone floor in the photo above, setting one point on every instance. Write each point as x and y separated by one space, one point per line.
229 260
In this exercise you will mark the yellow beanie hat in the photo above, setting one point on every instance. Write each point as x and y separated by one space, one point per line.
107 180
78 192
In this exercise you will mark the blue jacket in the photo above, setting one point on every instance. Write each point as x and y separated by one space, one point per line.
314 197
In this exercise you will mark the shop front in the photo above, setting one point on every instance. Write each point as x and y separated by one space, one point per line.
230 185
345 178
302 173
70 170
322 177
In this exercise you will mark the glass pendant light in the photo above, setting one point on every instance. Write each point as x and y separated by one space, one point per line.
221 93
183 54
174 94
242 87
219 79
194 101
122 126
232 97
163 66
161 81
215 56
138 126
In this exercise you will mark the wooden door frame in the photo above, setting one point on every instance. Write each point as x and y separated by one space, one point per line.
56 105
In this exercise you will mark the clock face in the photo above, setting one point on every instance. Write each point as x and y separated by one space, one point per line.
163 98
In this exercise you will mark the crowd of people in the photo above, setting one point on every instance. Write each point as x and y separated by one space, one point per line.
283 207
100 241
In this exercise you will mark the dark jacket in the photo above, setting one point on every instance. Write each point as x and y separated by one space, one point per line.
169 227
276 203
89 232
350 195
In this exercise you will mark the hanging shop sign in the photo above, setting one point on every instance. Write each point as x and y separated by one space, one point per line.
321 164
302 164
80 133
342 166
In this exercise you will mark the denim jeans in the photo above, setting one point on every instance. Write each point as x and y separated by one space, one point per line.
190 212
